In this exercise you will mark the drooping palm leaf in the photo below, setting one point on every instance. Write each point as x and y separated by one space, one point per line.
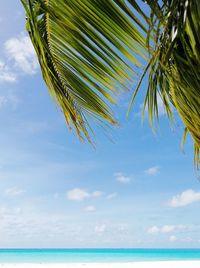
86 50
174 69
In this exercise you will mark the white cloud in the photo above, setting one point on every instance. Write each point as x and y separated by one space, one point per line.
187 239
25 226
21 51
96 194
182 227
167 228
120 177
9 99
185 198
111 196
30 226
172 238
99 229
152 171
19 58
5 74
78 194
14 191
153 230
7 212
90 209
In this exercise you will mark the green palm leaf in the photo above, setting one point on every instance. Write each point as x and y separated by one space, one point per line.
174 72
81 47
88 50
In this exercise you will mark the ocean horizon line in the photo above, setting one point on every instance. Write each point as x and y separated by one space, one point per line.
96 248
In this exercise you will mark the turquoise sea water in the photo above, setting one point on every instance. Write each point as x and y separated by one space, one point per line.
96 255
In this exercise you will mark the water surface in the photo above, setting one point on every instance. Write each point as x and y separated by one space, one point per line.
96 255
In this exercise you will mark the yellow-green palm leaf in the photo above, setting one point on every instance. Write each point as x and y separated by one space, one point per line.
86 50
174 69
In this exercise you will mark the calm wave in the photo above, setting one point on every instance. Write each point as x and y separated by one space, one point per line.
96 255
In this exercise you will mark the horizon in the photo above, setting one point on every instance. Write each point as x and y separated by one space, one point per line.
179 248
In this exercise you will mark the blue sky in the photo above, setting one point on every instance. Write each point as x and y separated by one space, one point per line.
135 190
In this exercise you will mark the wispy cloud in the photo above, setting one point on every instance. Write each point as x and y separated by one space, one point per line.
166 229
3 101
28 223
90 209
185 198
96 194
153 230
78 194
6 75
20 50
100 229
19 58
122 178
172 238
111 196
5 211
152 171
9 99
14 191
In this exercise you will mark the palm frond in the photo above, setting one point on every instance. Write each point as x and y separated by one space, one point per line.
174 69
86 51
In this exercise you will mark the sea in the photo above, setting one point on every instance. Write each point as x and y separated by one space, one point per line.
95 255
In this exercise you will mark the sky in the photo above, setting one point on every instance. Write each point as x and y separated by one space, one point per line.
134 189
